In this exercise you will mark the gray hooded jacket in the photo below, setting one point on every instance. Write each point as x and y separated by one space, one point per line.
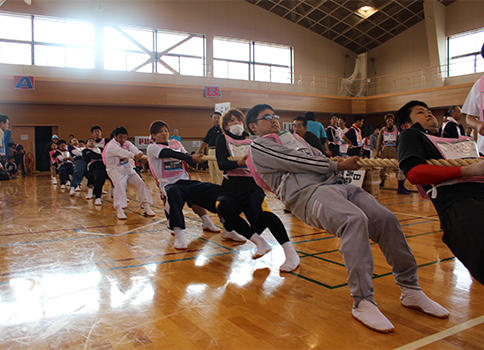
292 174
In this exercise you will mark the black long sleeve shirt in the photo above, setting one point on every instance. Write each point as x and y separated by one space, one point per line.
169 153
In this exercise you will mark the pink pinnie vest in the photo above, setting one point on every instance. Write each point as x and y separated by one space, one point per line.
238 148
461 148
481 97
390 137
171 167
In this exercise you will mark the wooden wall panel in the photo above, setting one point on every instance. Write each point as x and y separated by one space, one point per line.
75 105
116 93
435 97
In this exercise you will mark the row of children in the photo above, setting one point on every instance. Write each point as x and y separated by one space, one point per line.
168 161
77 160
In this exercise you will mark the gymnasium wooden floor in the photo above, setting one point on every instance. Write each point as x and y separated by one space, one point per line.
75 277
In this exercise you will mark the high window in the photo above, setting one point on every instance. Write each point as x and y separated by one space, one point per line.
464 53
15 39
46 41
63 43
153 51
250 60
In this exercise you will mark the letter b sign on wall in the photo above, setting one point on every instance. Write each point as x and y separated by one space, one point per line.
212 91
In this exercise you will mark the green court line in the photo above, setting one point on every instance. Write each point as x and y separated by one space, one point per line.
327 260
314 240
418 223
230 251
218 245
437 261
373 243
421 265
373 277
423 234
303 254
310 280
328 251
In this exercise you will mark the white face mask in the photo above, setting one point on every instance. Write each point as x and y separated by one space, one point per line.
236 129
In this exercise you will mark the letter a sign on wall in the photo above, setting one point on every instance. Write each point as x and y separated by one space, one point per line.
23 83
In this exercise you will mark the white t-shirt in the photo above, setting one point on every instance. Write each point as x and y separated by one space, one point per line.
158 164
471 106
120 158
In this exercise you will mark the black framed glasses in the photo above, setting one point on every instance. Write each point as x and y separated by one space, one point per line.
269 117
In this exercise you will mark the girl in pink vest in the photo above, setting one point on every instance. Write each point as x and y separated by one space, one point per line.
386 147
242 195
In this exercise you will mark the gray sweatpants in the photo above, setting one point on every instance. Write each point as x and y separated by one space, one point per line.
354 216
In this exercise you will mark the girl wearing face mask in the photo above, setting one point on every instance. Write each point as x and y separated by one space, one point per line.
241 193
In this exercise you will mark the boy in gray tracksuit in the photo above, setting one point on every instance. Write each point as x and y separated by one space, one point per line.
309 184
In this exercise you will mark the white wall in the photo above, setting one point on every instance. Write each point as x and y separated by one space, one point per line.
404 53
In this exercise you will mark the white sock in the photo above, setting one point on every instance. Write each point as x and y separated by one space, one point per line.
120 213
292 258
208 225
369 314
147 209
89 193
72 191
232 236
180 238
262 246
54 180
416 299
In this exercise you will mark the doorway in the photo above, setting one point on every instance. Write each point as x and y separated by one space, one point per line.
43 135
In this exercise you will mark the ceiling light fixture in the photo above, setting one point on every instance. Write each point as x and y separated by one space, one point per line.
365 11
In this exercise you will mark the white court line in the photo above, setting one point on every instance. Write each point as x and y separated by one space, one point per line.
119 234
92 233
138 228
443 334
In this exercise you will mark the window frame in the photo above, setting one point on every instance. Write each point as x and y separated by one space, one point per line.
476 54
252 63
17 41
154 55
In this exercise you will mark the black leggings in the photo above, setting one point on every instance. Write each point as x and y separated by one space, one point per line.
230 206
97 175
203 194
334 148
462 225
65 170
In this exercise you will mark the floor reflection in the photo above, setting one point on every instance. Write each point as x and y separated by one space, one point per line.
50 295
